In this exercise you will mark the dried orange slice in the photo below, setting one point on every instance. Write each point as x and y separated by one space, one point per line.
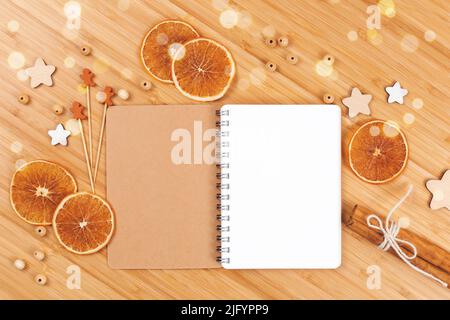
37 188
378 152
83 223
161 43
203 69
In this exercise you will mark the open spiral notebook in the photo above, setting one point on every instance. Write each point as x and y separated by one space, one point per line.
263 191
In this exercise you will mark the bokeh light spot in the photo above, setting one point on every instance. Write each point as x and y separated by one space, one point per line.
16 60
324 69
19 163
417 103
258 76
229 18
409 43
13 26
409 118
22 75
352 35
16 147
69 62
73 126
429 35
123 5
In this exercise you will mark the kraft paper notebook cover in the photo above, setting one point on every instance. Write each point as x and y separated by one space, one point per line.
272 200
165 212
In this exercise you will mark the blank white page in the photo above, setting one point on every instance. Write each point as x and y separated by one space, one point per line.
284 186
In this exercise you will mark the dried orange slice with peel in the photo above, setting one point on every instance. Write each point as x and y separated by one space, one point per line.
203 69
83 223
37 188
378 152
161 43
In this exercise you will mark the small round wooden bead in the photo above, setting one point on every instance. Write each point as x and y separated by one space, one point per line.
58 109
85 50
292 59
270 42
24 99
272 67
39 255
329 59
19 264
283 41
328 98
123 94
41 231
40 279
146 85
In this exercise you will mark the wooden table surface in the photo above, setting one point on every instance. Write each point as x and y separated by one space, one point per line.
412 47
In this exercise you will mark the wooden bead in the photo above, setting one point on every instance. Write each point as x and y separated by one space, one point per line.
40 279
39 255
41 231
146 85
20 264
123 94
292 59
329 59
328 98
24 99
58 109
270 42
272 67
283 41
85 50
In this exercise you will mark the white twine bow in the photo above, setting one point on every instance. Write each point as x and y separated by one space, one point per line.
390 230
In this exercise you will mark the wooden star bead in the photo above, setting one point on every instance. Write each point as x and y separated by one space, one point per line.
270 42
85 50
146 85
23 99
272 67
328 98
283 41
58 109
40 73
40 279
441 192
329 59
40 231
357 103
292 59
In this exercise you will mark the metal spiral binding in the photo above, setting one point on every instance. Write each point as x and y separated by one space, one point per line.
222 185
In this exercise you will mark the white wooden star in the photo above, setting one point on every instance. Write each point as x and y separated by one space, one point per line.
441 192
396 93
40 73
357 103
59 135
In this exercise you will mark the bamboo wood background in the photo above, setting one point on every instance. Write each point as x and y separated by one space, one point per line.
114 29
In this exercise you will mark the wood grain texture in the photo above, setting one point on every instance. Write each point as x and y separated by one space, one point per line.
314 28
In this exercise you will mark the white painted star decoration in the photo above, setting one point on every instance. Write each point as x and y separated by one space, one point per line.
357 103
441 192
40 73
396 93
59 135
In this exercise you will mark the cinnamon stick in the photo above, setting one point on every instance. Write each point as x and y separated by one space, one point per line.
430 257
